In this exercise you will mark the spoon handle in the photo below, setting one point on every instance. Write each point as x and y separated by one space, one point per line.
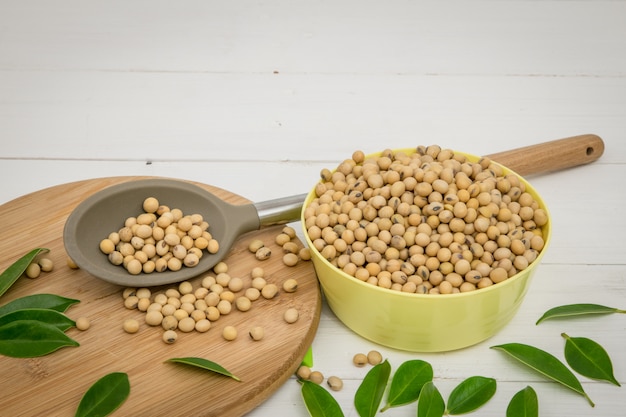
534 159
280 210
550 156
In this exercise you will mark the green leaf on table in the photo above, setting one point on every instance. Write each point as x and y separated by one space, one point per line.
370 393
204 364
523 404
546 364
48 301
589 359
407 382
31 338
430 402
105 396
318 401
571 310
53 317
14 271
471 394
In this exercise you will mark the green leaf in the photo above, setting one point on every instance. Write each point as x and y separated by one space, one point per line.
14 271
471 394
407 382
318 401
105 396
588 358
308 358
570 310
546 364
31 338
58 320
48 301
523 404
370 393
430 402
204 364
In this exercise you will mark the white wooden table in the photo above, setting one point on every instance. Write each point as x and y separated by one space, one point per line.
257 97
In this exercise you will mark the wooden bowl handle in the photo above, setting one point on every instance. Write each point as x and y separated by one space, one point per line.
551 156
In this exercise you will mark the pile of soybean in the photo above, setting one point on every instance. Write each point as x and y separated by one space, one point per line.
428 222
159 239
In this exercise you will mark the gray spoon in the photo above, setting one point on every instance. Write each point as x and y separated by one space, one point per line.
101 213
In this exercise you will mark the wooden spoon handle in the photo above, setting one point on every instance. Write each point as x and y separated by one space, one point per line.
551 156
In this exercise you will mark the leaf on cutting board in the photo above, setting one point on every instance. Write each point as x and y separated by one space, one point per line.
407 382
370 393
105 396
15 270
589 359
572 310
430 402
546 364
471 394
318 401
205 364
53 317
32 338
523 404
48 301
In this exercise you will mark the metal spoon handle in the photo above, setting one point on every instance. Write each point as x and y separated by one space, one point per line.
280 210
534 159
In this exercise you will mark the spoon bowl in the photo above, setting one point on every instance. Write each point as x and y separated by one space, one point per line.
105 212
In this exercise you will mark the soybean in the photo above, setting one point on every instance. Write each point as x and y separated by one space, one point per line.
335 383
83 323
131 326
291 315
229 333
360 359
257 333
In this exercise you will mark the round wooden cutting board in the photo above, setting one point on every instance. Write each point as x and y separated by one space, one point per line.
55 383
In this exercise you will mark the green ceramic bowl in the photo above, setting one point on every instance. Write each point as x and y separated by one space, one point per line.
421 322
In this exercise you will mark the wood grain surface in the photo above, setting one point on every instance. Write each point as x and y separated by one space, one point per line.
55 383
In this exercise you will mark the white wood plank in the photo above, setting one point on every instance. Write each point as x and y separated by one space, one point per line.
574 38
213 117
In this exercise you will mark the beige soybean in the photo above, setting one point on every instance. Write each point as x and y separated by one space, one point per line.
291 315
255 245
263 253
269 291
83 323
229 333
169 336
33 270
290 285
304 372
334 383
374 357
131 326
154 318
290 259
257 333
316 377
